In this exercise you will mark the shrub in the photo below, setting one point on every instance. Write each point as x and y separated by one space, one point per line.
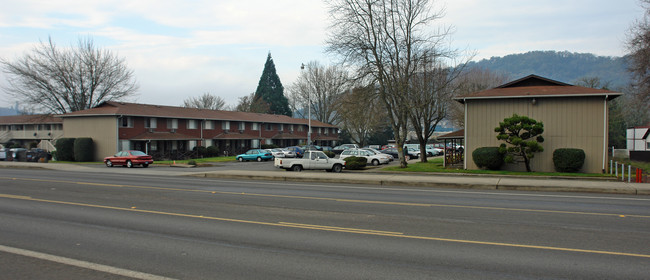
330 154
488 157
355 163
213 151
201 151
83 149
65 149
568 160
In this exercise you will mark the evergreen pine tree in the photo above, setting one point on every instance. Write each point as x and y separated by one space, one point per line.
271 91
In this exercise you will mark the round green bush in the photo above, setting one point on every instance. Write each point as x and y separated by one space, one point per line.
488 157
355 163
568 160
213 151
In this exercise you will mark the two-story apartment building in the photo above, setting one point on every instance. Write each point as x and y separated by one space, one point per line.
166 130
26 129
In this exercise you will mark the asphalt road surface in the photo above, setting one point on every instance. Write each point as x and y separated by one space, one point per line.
96 225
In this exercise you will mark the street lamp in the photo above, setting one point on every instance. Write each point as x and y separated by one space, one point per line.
302 67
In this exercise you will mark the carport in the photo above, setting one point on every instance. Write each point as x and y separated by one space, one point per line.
454 156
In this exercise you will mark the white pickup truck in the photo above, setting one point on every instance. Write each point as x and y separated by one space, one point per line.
311 160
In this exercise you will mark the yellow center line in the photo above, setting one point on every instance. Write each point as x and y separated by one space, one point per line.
332 229
339 199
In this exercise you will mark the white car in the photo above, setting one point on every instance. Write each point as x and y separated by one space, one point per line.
377 152
281 153
371 157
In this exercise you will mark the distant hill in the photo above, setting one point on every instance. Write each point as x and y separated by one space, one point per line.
8 111
562 66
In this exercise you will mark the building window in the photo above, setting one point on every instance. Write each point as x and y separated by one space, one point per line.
208 142
172 124
3 128
192 124
153 145
150 123
242 126
280 127
648 145
191 145
326 131
301 128
126 122
255 126
269 127
225 125
208 124
255 143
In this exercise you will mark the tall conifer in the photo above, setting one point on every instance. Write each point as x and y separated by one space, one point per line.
271 91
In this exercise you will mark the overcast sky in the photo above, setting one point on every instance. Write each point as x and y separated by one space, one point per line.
179 49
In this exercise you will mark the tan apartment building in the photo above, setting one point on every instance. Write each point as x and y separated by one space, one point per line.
168 132
26 129
573 117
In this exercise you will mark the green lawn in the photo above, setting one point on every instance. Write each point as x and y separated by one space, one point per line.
435 166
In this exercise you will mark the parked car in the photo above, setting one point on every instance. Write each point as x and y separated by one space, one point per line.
129 159
433 150
371 157
393 152
312 148
377 152
339 149
3 153
313 160
255 154
297 150
281 153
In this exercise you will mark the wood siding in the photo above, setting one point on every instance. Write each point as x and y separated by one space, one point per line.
103 131
568 123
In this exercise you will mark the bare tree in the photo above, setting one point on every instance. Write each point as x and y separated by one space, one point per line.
471 81
361 114
205 101
638 45
386 40
431 93
321 88
67 80
249 103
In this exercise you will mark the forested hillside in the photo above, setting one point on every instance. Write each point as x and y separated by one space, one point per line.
563 66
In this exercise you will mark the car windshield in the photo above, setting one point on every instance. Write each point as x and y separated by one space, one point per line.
138 153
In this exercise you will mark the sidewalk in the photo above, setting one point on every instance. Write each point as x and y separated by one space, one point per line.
461 181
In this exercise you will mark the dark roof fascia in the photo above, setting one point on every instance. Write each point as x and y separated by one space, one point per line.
609 96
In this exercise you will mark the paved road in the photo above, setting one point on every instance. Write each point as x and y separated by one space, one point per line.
111 225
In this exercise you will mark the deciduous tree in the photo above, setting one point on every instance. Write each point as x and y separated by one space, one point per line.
386 41
60 80
205 101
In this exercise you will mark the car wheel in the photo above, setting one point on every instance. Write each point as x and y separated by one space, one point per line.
259 159
109 163
240 159
129 164
375 162
296 168
337 168
145 165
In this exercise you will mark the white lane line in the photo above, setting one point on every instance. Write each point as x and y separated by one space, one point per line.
82 264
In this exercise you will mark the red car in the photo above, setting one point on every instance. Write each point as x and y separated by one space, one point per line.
129 158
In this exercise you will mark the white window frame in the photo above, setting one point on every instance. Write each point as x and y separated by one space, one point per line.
255 126
150 123
241 126
172 123
192 124
208 124
225 125
129 122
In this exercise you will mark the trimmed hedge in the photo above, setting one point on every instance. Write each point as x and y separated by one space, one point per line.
213 151
65 149
83 149
355 163
488 157
568 160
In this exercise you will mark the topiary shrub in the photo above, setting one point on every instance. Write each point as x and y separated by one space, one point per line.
355 163
330 154
83 149
568 160
488 157
64 149
213 151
